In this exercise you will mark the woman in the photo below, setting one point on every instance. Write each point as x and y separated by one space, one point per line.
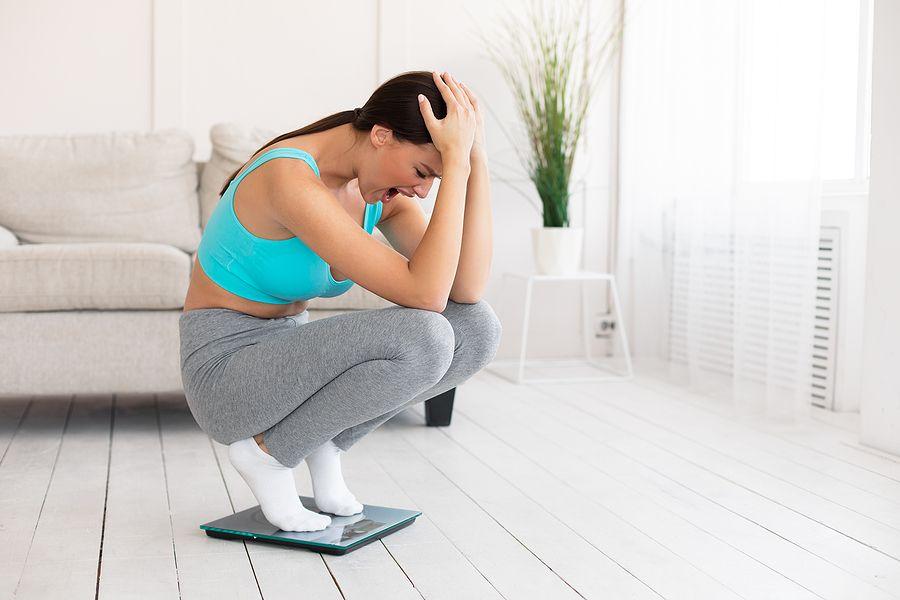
279 389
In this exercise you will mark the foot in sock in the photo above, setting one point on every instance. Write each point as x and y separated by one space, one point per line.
272 484
329 489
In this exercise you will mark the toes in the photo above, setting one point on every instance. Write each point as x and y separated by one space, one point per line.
350 508
343 507
310 522
321 522
314 523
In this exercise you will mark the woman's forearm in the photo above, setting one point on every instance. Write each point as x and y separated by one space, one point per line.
434 262
476 253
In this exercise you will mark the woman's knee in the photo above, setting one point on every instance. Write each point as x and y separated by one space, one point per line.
428 344
479 328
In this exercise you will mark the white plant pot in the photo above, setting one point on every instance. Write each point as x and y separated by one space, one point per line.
557 250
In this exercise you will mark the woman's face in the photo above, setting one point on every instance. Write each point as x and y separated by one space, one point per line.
392 167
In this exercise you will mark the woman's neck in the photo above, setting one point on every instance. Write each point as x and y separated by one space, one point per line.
336 152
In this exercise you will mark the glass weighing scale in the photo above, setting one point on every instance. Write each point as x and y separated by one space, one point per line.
344 535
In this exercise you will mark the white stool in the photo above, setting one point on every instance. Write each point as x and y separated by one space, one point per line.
502 367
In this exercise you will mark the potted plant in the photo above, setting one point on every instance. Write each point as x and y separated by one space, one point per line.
546 59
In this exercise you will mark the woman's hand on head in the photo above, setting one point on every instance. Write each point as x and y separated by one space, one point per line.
479 148
453 135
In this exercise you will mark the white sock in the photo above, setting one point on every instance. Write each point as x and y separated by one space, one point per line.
330 491
272 484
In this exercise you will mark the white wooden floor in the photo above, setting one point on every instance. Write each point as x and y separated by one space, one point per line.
603 490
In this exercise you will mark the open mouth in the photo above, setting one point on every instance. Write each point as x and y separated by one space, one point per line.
388 194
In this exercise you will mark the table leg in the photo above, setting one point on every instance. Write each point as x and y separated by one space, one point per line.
620 326
586 323
525 319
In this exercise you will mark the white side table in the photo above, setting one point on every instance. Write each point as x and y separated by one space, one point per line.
517 366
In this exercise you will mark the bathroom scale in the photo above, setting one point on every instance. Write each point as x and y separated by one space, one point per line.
343 535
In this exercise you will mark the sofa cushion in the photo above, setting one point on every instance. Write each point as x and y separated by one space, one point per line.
107 187
93 275
7 237
232 146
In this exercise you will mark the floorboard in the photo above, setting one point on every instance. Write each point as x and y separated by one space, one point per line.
25 476
138 556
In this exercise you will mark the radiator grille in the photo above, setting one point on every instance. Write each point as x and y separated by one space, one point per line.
825 329
702 288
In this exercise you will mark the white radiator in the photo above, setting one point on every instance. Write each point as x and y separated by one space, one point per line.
702 293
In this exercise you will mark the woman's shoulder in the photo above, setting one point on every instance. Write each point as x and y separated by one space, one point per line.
303 169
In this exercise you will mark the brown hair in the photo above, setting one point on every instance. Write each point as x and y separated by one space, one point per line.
394 105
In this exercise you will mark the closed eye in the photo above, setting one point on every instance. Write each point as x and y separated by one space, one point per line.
422 175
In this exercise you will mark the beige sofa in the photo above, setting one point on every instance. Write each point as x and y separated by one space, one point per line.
98 233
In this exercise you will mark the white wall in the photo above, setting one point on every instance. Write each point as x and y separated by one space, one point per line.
880 397
101 65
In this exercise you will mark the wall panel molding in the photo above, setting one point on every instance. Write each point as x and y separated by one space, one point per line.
167 73
393 31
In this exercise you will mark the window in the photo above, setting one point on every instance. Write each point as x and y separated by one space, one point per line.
785 48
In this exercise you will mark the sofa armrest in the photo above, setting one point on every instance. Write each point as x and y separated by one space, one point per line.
7 237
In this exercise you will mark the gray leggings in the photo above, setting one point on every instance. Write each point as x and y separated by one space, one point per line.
302 383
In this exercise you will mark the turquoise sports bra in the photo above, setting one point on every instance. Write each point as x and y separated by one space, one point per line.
266 270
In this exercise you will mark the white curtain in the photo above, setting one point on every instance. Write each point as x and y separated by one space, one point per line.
720 192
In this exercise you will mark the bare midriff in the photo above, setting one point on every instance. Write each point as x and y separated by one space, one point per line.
203 292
